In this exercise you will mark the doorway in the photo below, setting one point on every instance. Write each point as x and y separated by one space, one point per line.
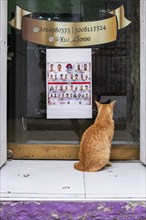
115 76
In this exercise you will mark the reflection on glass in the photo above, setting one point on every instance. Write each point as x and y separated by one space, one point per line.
115 75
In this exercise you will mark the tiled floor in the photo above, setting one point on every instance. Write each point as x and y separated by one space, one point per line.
58 180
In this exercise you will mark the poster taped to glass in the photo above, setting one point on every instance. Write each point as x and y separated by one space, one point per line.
69 83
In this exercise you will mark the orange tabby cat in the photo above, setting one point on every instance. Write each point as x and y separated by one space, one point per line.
95 144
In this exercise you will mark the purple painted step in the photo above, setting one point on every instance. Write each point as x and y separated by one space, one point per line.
73 210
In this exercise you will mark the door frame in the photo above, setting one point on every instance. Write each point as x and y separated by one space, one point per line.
69 150
3 81
143 81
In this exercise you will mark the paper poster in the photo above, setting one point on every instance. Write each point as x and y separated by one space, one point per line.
69 83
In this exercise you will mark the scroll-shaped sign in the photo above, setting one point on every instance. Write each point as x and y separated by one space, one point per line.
69 34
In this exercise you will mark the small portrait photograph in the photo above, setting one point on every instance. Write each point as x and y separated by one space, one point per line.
56 78
86 87
62 97
81 88
71 76
61 88
51 76
69 67
66 88
71 95
86 96
51 69
56 87
86 68
59 68
61 76
71 87
67 96
79 68
79 95
51 88
76 77
76 88
55 95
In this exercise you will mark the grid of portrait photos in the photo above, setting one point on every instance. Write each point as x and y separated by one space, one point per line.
68 83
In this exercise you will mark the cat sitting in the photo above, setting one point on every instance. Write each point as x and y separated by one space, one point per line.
95 145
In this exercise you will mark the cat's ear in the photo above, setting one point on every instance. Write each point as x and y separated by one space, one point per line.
98 104
112 104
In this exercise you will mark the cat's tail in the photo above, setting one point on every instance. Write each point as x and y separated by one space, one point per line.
79 166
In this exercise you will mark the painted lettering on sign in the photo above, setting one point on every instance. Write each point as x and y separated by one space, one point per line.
69 34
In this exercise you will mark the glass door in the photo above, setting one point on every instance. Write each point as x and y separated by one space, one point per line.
115 76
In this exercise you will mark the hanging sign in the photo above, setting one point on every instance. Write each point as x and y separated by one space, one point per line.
69 83
69 34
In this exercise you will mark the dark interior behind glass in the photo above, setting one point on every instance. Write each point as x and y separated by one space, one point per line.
115 75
